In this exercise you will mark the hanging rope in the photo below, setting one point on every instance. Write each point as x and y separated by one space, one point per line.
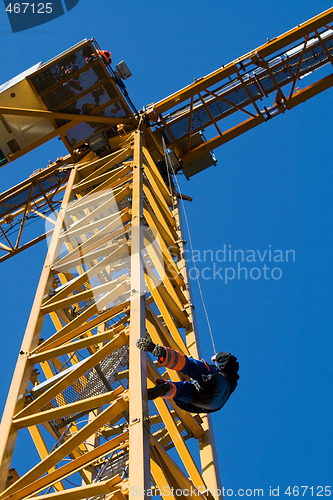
169 167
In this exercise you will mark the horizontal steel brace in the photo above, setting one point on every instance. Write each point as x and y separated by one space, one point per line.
52 115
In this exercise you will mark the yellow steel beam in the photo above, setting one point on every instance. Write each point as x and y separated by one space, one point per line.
70 468
37 177
91 251
158 260
69 331
162 333
80 493
108 183
68 379
162 206
155 186
77 333
42 449
296 99
93 243
103 179
155 221
26 246
159 475
310 91
112 411
139 471
113 253
156 177
177 313
53 115
170 323
182 481
181 447
91 170
171 267
78 326
208 454
162 216
68 409
111 288
110 223
117 196
5 247
232 133
264 50
16 396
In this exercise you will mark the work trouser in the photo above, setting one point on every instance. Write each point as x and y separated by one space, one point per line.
194 368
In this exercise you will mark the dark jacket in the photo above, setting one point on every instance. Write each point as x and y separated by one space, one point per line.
214 390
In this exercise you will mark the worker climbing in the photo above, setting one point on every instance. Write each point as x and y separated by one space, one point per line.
105 55
210 387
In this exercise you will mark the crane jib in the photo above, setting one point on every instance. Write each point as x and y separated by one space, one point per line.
259 82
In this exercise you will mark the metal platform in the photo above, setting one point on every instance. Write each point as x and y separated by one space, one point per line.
58 98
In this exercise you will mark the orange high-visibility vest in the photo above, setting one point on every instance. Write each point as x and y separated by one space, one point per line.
105 55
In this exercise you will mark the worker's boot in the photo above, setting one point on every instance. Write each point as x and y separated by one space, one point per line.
148 345
160 390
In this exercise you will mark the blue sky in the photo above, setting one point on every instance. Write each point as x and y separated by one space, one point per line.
272 186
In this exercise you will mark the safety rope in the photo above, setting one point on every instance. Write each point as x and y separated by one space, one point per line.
170 167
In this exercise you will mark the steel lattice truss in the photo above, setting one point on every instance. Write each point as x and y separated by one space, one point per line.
246 92
225 104
76 377
116 268
39 197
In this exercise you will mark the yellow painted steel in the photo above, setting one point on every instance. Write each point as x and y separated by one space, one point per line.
114 216
115 272
139 473
263 51
67 409
52 115
204 104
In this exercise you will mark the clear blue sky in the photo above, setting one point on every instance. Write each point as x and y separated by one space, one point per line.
272 186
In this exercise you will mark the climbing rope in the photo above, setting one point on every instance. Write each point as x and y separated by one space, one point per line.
170 167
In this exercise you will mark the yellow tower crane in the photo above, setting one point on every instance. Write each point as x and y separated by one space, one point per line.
116 270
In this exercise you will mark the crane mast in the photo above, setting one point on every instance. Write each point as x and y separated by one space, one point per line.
115 269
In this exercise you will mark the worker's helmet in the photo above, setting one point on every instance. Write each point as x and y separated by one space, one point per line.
228 365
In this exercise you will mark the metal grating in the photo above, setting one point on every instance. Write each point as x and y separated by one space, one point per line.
92 383
51 75
7 204
78 83
70 89
283 68
115 464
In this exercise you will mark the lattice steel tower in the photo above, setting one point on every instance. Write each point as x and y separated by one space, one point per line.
115 270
